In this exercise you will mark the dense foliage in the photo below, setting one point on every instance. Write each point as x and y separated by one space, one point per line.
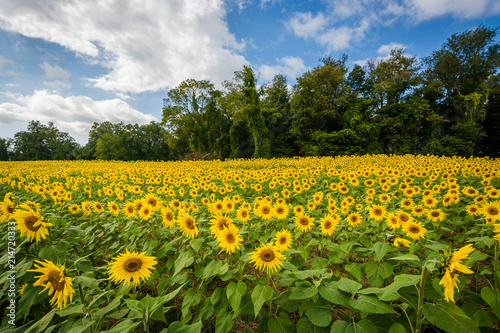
445 104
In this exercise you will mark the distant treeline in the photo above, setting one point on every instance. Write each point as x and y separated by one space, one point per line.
445 104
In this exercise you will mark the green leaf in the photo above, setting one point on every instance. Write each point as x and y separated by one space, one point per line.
400 281
349 285
99 313
260 295
449 317
303 290
56 253
196 243
377 273
40 325
354 269
406 257
70 311
333 295
204 311
280 324
319 313
363 326
123 327
212 269
481 317
136 308
305 326
79 327
234 292
381 250
397 328
492 297
180 327
371 304
184 260
191 298
224 321
87 282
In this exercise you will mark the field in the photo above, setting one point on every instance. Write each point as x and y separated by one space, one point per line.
348 244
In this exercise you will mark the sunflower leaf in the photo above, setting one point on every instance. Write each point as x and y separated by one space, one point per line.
260 295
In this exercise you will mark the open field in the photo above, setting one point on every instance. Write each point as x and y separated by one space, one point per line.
372 243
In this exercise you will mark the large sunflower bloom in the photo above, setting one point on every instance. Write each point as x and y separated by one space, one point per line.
54 279
7 210
328 225
229 239
355 219
188 225
304 222
219 222
267 258
491 211
31 225
377 212
131 266
453 267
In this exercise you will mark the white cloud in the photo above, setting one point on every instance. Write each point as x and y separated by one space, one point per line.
72 114
291 67
306 25
385 50
54 72
57 84
146 46
428 9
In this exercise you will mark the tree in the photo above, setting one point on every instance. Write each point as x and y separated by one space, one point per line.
318 102
4 149
192 118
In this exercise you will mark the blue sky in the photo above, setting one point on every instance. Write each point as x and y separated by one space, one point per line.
78 62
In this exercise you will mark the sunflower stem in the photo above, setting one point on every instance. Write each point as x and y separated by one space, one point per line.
418 326
50 236
496 266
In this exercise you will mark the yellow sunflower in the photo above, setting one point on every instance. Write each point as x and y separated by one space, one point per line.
219 222
129 209
280 211
146 212
355 219
267 258
113 208
328 225
436 215
54 279
243 214
453 265
74 208
188 225
168 217
402 241
264 211
31 225
491 211
304 222
98 208
229 239
415 230
283 240
377 212
131 266
7 210
472 210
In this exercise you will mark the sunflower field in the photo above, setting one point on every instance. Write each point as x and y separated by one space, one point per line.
372 243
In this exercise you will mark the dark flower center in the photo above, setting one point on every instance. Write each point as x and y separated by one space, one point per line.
30 221
54 281
132 265
267 255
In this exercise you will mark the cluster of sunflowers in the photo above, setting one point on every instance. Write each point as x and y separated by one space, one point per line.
401 198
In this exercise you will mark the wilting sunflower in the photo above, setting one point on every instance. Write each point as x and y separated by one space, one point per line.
355 219
377 212
31 225
267 258
304 222
168 217
453 265
283 240
229 239
54 279
436 215
131 266
328 225
415 230
491 211
188 225
402 241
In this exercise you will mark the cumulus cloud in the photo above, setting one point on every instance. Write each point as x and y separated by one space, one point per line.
72 114
384 51
146 46
466 9
291 67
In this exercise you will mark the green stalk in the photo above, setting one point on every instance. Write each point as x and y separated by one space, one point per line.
495 263
82 299
420 300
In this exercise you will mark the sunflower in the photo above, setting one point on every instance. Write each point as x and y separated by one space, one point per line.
407 203
491 211
377 212
355 219
74 208
267 258
31 224
131 266
113 208
168 217
54 279
243 214
436 215
280 211
472 210
188 225
219 222
298 210
146 212
28 204
415 230
403 217
430 201
129 209
328 225
283 240
7 210
228 206
152 201
453 265
264 211
304 222
418 210
402 241
229 239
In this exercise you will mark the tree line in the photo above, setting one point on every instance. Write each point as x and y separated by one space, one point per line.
445 104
